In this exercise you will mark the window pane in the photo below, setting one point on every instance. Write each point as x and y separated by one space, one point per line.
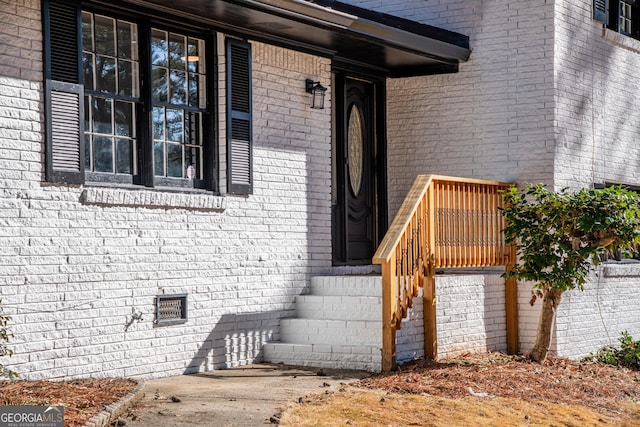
159 48
193 160
625 17
87 31
159 86
102 154
174 160
193 129
101 114
124 119
193 139
87 114
128 78
105 36
88 67
127 40
174 125
195 56
177 51
158 123
102 69
123 156
110 66
105 74
135 80
196 91
158 158
178 87
87 151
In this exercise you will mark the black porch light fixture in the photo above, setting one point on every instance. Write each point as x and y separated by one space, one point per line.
317 93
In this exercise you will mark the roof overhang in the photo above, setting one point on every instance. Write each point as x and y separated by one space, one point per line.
383 43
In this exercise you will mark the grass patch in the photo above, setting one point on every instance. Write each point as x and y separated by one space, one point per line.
358 407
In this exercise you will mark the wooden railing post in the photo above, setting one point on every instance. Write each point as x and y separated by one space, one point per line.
429 283
511 301
389 301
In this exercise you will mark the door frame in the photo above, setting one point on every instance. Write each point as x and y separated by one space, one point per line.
339 178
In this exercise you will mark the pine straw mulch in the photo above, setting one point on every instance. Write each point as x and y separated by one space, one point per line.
82 398
600 387
559 380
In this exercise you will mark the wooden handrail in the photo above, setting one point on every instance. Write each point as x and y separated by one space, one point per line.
444 222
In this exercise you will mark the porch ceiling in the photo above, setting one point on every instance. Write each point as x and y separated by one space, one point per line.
351 35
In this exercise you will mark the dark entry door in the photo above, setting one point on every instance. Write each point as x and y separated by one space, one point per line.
357 155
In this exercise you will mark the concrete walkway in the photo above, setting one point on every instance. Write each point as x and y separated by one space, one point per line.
246 396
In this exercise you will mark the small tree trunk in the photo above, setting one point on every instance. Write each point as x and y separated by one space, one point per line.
550 301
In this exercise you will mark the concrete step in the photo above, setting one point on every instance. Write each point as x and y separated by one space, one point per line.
339 307
338 325
363 358
368 286
331 332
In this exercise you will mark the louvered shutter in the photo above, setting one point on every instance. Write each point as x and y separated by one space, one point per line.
63 93
600 10
239 135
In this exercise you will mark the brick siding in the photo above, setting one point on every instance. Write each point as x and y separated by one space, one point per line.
76 264
538 101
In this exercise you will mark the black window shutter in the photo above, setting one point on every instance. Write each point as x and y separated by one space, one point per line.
600 10
239 134
64 111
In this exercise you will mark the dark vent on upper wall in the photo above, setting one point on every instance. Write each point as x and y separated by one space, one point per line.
64 42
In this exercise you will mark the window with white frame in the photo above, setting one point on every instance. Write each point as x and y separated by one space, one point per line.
622 16
625 16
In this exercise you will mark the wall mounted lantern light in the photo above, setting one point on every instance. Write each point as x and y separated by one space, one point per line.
317 93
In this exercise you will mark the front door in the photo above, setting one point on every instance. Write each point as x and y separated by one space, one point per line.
359 171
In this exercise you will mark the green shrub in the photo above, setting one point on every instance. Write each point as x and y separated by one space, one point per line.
5 335
627 355
607 355
629 351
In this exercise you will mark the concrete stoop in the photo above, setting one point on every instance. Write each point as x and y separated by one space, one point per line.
338 325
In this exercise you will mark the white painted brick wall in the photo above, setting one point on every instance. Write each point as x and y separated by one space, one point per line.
545 97
596 100
523 108
75 267
528 316
410 339
595 317
492 120
590 319
470 315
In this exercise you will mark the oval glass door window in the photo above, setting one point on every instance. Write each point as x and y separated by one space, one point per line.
355 146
